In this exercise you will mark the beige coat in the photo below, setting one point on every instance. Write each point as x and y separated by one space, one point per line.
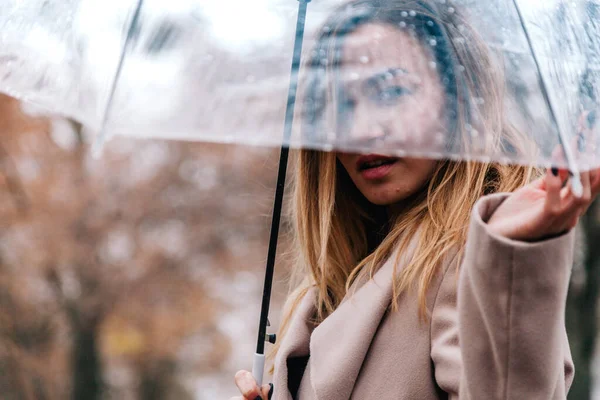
508 317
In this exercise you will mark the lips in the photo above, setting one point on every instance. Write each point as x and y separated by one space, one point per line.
375 166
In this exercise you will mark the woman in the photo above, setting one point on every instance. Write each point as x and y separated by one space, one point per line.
421 279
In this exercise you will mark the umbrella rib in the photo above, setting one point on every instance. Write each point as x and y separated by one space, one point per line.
576 178
101 138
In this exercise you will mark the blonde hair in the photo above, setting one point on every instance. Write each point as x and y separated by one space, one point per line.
332 221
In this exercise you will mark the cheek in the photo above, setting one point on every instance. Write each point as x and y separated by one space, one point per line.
413 177
421 170
419 123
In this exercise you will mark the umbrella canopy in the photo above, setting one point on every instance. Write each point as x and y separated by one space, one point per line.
219 71
491 81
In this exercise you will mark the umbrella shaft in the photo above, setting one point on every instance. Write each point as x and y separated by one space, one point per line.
283 161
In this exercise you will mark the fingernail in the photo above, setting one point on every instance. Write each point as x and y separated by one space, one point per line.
554 171
270 391
591 119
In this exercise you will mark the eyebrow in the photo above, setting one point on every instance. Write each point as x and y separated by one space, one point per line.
385 75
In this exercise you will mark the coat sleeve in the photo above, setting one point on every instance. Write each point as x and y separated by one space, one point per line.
498 329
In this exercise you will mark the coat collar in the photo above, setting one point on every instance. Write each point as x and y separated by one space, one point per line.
339 345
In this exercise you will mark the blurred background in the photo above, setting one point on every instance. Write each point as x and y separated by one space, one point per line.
134 276
138 275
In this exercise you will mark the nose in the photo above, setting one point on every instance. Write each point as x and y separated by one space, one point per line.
365 126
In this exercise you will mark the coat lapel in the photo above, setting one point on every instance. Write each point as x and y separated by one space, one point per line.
296 343
339 345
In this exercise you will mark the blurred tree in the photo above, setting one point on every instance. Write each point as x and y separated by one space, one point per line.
123 253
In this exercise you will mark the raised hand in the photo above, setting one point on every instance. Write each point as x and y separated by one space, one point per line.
544 208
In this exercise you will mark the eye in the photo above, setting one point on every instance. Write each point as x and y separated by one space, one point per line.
346 104
389 95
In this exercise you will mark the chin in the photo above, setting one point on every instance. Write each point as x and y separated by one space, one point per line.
383 200
389 194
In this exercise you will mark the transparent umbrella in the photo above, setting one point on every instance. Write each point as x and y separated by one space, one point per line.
501 80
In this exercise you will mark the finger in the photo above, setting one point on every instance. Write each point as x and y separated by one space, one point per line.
539 183
553 192
573 206
247 385
587 189
580 203
267 391
564 176
594 180
568 215
569 224
569 221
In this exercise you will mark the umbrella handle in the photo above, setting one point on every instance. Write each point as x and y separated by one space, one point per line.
258 368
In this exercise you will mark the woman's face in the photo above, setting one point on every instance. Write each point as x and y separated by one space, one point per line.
390 91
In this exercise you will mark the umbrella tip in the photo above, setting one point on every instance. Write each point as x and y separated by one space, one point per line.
98 145
97 149
576 185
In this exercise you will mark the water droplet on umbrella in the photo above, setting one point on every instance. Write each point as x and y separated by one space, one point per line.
451 10
429 23
461 68
402 24
433 42
354 76
439 138
364 59
412 13
432 64
404 14
326 29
